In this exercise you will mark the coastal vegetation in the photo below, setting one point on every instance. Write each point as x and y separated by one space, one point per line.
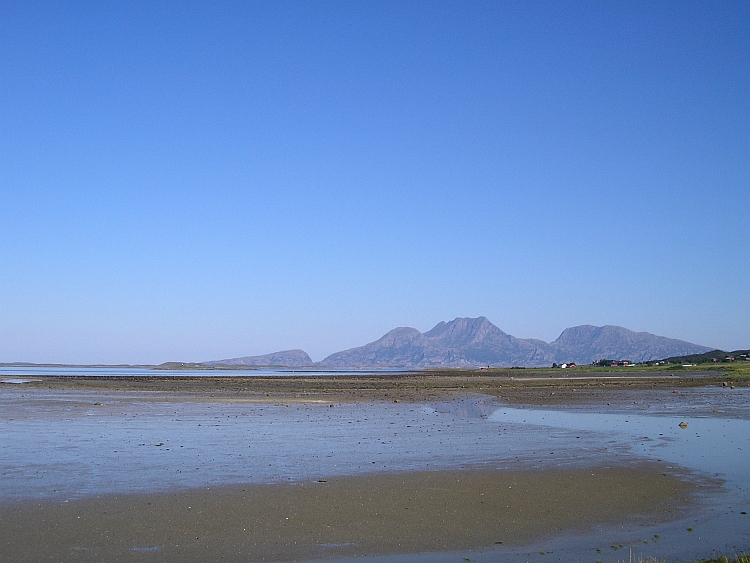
721 559
714 356
725 559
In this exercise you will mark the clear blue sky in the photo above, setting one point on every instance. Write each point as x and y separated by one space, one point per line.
194 181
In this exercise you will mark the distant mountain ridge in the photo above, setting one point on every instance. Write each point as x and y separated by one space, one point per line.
467 342
285 358
476 342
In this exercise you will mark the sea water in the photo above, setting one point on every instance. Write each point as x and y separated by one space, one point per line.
14 372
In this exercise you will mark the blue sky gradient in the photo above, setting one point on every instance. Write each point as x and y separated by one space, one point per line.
194 181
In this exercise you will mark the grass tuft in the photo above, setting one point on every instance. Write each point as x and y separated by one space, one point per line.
725 559
722 559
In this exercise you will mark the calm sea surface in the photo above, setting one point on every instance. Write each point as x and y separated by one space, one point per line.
31 371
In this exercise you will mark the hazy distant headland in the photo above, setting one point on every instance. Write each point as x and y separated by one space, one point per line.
285 358
476 342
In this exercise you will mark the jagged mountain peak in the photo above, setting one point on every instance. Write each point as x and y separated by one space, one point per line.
459 324
463 331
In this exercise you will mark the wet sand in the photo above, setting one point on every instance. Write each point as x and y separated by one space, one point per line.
344 516
538 387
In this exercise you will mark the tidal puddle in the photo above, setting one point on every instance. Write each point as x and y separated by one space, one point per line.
73 444
716 446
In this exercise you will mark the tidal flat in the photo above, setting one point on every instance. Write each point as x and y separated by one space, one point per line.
108 470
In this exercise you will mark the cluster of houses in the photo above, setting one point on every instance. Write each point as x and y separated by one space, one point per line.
613 363
740 358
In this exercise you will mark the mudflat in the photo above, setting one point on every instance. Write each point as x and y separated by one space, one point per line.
533 386
343 516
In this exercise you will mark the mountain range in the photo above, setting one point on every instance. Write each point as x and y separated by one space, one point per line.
476 342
